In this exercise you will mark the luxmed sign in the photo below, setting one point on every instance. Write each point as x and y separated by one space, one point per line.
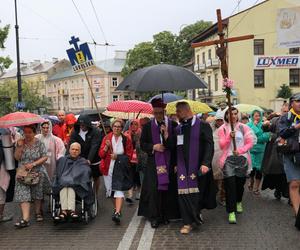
275 62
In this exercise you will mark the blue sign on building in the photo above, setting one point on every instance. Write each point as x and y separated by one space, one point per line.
80 56
20 105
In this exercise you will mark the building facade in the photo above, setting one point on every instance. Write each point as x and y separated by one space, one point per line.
70 91
255 65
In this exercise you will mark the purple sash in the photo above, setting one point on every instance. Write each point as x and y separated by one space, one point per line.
187 176
162 160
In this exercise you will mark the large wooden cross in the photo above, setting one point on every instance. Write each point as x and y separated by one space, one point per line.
222 54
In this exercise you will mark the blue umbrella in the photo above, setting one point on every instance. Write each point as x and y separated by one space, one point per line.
167 97
52 118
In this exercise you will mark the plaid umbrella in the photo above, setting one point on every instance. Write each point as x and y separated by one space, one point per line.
131 106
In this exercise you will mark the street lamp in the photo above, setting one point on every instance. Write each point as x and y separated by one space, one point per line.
18 56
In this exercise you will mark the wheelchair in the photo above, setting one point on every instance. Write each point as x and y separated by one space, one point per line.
86 212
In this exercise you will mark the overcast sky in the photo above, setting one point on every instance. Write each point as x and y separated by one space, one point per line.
46 25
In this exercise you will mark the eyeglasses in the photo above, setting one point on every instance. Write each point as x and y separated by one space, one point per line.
117 126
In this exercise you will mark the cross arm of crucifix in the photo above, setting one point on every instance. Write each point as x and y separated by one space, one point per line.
226 40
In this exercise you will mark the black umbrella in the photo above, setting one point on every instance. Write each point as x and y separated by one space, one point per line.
161 77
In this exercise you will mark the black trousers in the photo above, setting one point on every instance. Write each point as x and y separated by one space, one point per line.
234 190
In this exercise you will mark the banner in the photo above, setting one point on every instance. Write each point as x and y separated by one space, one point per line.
277 62
288 27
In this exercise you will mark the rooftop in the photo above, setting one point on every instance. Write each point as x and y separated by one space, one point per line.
114 65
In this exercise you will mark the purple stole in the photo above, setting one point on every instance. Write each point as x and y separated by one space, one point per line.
162 160
187 177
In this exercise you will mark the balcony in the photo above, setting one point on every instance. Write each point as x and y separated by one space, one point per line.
213 63
199 68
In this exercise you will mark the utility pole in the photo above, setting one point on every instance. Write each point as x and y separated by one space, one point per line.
18 56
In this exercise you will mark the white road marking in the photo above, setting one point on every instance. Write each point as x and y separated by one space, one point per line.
147 237
128 237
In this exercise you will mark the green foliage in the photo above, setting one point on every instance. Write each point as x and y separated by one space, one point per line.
165 44
5 62
142 55
284 92
166 48
31 97
185 37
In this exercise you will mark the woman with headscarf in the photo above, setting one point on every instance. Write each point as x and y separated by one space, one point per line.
54 146
134 134
70 121
257 152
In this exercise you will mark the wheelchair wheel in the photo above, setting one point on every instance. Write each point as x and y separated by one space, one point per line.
94 208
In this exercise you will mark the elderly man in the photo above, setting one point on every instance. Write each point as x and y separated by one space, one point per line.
73 176
60 129
158 201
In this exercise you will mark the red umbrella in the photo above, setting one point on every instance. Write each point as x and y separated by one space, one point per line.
18 119
131 106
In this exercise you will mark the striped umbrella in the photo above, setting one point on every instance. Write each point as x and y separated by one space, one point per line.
18 119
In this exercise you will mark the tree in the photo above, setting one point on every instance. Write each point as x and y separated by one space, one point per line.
30 94
165 43
142 55
186 35
284 92
5 62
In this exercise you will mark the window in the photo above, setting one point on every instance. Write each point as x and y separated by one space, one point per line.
198 59
294 50
209 54
259 47
203 57
294 77
259 78
115 98
115 81
126 97
209 84
216 82
97 90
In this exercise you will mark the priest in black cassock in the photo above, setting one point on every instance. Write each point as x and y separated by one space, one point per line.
159 200
195 149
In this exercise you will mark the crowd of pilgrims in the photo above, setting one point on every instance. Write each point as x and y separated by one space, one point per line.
173 166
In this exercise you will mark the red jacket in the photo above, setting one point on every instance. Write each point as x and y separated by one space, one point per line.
105 156
60 130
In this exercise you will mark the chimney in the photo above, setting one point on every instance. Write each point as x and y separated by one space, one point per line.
120 54
54 59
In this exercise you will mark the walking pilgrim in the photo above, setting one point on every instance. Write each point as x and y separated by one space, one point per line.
195 149
158 201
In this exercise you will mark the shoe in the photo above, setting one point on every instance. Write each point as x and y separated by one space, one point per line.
201 218
154 223
6 218
222 203
22 224
137 196
117 218
277 194
186 229
39 218
231 218
129 201
239 207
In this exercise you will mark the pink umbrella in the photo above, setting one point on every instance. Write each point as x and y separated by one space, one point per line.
131 106
18 119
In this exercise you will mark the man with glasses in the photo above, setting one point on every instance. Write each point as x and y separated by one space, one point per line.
158 201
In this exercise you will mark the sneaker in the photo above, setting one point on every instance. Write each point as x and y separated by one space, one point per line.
129 201
117 218
239 207
231 218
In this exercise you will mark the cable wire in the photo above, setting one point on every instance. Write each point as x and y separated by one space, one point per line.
84 23
98 21
242 18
